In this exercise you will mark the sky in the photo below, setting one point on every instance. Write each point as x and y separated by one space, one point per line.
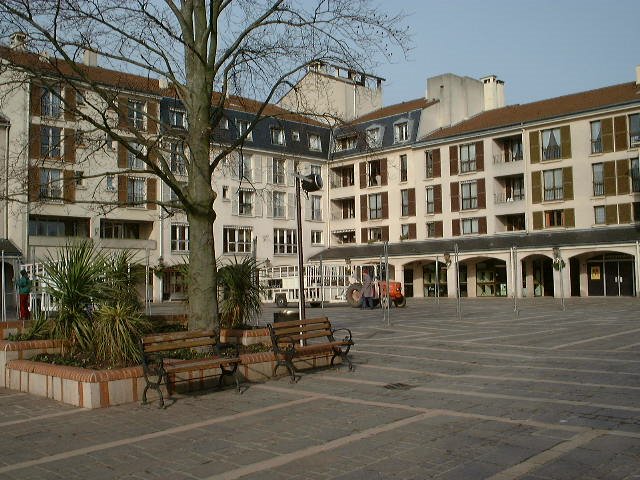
539 48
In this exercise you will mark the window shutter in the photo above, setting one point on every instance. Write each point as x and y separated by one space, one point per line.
482 196
624 213
620 133
363 208
455 197
69 145
412 231
152 117
34 141
383 171
412 202
439 229
480 156
567 183
455 227
122 155
256 169
36 99
122 189
363 235
152 157
436 163
69 103
307 208
69 186
290 168
565 141
385 233
482 225
235 204
385 204
363 174
123 112
270 170
270 204
258 205
151 194
291 206
437 198
607 134
534 146
623 177
569 217
611 214
609 173
537 221
453 160
34 183
536 187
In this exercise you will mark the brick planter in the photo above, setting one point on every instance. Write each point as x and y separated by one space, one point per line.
17 326
23 350
245 337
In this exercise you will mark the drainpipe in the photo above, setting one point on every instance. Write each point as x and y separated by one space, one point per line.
528 193
637 268
6 184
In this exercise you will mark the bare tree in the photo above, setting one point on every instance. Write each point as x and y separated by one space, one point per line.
209 52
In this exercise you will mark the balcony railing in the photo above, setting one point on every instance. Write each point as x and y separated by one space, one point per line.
552 153
598 188
503 157
596 146
499 198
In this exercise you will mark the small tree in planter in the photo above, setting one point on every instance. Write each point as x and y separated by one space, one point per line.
241 302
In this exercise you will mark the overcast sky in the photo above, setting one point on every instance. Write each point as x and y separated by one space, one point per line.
539 48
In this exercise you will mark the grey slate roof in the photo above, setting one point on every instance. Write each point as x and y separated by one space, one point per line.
479 244
10 250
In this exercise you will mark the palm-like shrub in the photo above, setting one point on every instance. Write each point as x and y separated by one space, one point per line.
116 330
121 278
238 282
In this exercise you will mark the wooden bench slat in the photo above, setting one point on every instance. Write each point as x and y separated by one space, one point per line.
166 337
288 330
177 345
306 321
304 336
201 364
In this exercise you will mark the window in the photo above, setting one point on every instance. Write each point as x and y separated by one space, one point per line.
176 159
316 237
110 183
243 127
375 206
245 202
373 137
80 137
135 191
284 241
431 229
346 143
599 214
225 192
634 130
279 173
224 123
469 194
401 132
51 183
295 136
119 230
51 104
404 231
469 226
468 158
403 168
177 118
551 144
596 137
344 236
179 237
277 136
135 113
374 234
50 142
279 206
598 179
316 170
244 167
315 143
236 240
554 218
134 161
46 226
79 177
635 175
316 207
404 198
430 200
374 173
553 189
428 164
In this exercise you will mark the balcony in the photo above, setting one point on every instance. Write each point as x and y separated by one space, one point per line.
509 205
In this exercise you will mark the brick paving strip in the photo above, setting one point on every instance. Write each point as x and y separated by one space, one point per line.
42 417
149 436
594 339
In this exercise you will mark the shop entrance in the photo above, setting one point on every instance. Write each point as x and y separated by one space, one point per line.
611 275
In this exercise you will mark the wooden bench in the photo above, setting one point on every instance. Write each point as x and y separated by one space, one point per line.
297 338
158 369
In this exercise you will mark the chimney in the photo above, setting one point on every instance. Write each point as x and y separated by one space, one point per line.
493 92
638 75
18 41
163 83
90 58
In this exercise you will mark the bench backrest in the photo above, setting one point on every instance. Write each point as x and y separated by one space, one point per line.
162 342
305 330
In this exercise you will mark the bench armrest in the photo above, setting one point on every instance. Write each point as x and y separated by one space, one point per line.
347 338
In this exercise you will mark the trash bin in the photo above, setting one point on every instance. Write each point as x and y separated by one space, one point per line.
286 314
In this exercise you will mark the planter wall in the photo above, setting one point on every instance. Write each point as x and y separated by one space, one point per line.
17 326
23 350
245 337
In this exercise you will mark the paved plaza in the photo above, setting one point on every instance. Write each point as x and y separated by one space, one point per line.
538 394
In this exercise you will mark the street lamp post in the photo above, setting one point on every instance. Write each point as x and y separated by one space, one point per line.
559 264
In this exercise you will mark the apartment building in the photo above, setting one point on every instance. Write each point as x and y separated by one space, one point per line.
66 179
537 199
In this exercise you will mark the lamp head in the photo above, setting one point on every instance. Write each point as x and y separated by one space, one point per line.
310 183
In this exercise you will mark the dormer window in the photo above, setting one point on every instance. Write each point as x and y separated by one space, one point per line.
315 142
136 114
295 135
277 136
243 126
373 137
51 104
346 143
401 132
177 118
